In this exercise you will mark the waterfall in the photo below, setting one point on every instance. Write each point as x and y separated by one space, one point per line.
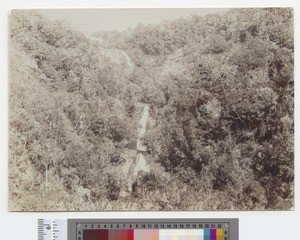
142 129
141 163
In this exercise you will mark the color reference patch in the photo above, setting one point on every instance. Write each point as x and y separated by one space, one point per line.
153 234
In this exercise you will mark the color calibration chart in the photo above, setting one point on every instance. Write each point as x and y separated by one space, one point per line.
138 229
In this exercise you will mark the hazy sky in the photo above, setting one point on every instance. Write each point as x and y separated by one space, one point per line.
90 20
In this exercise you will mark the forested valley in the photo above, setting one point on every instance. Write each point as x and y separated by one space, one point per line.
220 134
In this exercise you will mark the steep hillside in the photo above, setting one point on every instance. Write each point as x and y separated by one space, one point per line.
68 122
219 92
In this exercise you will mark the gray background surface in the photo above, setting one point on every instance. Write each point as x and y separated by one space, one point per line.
253 225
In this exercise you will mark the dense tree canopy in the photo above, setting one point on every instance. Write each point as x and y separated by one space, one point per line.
221 93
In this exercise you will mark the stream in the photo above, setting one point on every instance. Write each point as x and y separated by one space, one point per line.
135 159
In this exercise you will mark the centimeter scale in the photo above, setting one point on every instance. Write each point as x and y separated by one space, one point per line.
138 229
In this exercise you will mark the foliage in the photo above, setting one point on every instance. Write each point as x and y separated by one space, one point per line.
221 93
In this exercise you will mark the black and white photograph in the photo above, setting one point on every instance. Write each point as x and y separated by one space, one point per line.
151 109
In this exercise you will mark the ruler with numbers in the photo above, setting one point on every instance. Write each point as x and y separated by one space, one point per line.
52 229
138 229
